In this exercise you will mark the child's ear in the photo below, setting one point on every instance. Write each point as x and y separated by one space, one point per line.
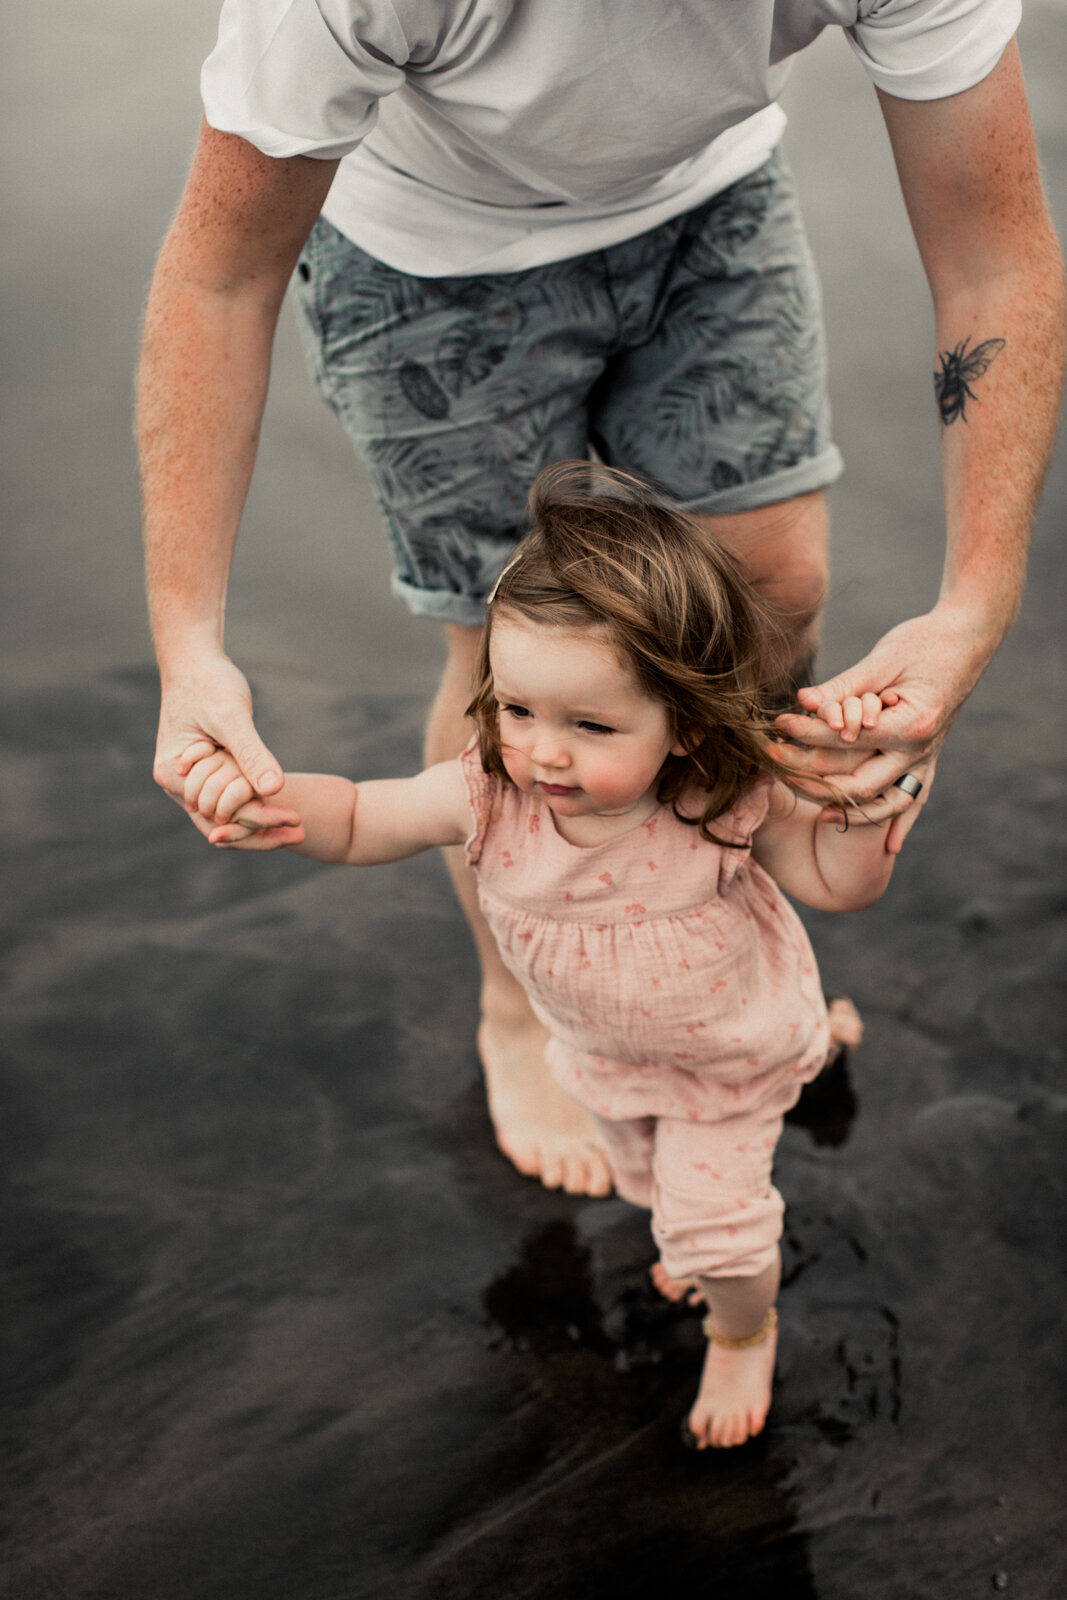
685 741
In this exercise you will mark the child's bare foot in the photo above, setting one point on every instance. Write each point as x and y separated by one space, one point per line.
542 1130
735 1394
735 1387
675 1288
846 1026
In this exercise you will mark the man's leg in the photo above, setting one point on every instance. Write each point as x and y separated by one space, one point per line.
724 401
540 1129
452 445
784 548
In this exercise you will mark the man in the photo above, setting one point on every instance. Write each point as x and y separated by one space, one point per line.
550 225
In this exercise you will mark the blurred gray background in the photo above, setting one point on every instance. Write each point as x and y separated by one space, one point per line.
279 1320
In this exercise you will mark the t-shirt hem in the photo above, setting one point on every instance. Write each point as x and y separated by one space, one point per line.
453 236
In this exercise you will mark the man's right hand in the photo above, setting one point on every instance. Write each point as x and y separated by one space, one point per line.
211 700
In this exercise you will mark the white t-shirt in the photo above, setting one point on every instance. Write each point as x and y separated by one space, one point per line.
492 135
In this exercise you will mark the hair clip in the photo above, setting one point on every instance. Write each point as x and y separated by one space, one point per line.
501 575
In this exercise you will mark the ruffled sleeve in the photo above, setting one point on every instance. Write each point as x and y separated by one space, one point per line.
740 823
483 795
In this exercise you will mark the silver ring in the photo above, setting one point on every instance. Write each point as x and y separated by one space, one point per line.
910 784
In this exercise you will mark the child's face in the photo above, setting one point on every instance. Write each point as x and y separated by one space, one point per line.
575 726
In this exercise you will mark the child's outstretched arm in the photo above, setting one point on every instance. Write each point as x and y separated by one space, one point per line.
329 818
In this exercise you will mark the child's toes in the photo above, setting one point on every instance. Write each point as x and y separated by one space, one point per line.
657 1272
662 1281
699 1424
846 1024
731 1431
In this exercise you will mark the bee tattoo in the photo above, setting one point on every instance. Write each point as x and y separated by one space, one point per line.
951 384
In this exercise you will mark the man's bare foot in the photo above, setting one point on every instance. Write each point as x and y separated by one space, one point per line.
734 1396
544 1132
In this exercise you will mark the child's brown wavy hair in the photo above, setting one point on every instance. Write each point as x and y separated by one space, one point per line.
605 551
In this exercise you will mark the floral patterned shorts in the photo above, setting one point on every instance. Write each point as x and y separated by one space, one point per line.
692 355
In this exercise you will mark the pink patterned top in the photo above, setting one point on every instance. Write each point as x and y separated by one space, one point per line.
673 975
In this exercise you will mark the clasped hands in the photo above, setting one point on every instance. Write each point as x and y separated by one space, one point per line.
860 731
887 716
226 809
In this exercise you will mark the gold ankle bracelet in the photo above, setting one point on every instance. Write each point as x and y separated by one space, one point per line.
766 1327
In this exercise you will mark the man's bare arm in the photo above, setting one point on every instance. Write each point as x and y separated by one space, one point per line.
209 329
969 174
996 274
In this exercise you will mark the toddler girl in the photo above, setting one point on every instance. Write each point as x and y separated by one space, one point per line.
629 827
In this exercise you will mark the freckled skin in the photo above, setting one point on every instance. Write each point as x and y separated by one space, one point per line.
209 324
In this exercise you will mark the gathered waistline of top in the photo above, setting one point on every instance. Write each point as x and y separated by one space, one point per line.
584 912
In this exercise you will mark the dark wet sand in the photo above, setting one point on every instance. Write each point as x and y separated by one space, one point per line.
280 1321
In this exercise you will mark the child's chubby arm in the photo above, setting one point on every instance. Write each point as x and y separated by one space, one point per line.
818 861
804 845
325 817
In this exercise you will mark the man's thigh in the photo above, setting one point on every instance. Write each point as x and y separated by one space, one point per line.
722 398
784 549
456 392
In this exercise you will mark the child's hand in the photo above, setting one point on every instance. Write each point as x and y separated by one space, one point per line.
259 825
214 785
225 807
848 717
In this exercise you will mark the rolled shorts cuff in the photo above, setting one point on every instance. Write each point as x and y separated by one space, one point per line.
440 604
817 472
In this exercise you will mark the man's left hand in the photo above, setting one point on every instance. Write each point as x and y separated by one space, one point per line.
930 664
